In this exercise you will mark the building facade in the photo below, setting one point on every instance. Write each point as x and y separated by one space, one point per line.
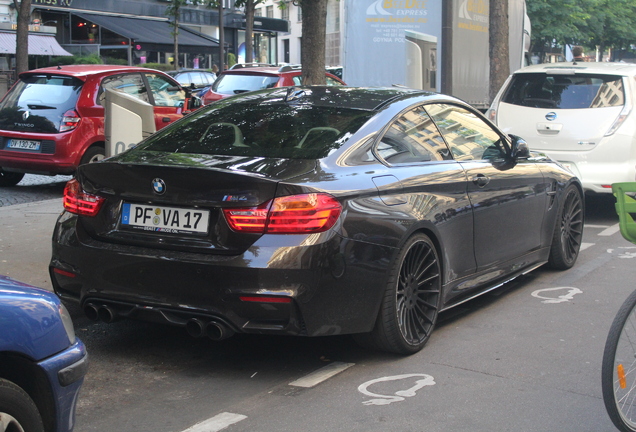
134 32
289 44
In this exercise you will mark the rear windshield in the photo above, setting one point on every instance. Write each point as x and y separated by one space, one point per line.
271 130
38 103
235 84
565 91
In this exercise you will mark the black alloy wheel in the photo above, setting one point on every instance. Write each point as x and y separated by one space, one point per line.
412 300
568 232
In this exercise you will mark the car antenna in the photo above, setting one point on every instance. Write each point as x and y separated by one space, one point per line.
59 67
293 93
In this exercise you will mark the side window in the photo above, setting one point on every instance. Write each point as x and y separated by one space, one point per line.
467 135
332 82
412 138
298 80
131 84
164 91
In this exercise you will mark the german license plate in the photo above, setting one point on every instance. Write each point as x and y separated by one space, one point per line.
165 219
23 144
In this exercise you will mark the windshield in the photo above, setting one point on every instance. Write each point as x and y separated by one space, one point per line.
271 129
38 103
565 91
235 84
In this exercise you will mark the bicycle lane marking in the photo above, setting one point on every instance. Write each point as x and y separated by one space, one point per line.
380 399
571 292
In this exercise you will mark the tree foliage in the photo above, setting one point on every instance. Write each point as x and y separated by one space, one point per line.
592 23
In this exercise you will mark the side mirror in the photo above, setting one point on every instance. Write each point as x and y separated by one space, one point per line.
194 103
520 149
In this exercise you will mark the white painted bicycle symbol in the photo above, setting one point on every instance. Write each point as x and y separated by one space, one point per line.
426 380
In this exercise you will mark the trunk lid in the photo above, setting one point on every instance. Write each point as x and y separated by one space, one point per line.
557 129
175 201
37 103
562 110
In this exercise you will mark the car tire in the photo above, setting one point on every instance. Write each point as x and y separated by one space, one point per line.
411 302
17 410
10 178
93 154
568 230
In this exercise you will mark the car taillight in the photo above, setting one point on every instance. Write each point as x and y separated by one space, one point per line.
79 202
295 214
70 120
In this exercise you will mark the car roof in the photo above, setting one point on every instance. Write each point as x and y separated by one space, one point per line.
263 70
362 98
83 71
623 69
177 72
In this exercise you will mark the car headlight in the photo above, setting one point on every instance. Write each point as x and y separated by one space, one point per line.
68 323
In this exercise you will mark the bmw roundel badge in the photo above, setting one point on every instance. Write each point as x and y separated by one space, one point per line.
159 186
551 116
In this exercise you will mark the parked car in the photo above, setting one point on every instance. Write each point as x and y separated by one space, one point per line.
52 119
580 114
42 363
242 78
197 80
313 211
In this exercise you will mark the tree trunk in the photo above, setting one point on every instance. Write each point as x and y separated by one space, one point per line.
176 39
312 44
22 35
221 39
499 45
249 30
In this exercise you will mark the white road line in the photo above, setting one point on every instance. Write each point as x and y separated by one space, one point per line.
586 245
610 231
216 423
321 374
596 226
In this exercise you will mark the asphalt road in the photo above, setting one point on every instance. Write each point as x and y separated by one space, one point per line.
526 357
33 188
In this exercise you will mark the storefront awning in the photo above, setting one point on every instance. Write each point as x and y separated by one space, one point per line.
38 45
154 35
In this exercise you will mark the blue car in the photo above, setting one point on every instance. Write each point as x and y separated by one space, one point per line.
42 363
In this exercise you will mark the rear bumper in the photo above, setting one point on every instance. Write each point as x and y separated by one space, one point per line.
334 285
58 154
66 372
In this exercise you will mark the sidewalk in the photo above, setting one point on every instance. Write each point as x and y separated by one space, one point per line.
25 240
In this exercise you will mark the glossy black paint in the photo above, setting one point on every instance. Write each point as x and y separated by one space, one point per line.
490 221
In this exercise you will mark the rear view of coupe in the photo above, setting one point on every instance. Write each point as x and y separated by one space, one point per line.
313 211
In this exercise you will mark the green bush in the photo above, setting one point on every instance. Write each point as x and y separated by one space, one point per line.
231 60
68 60
158 66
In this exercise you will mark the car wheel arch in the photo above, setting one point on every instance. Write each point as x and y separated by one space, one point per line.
25 373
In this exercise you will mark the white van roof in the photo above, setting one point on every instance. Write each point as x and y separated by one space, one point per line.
568 68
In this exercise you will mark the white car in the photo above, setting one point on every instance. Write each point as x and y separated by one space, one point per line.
580 114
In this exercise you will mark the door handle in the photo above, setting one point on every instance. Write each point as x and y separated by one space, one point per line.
481 180
166 119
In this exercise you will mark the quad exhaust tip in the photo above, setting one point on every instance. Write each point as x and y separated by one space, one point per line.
213 329
195 327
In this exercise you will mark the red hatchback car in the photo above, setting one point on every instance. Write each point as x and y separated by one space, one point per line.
52 119
242 78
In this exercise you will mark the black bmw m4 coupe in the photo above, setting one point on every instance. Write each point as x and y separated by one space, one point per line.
313 211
